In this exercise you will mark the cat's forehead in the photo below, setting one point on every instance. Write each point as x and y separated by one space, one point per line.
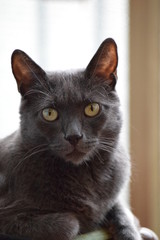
73 87
68 86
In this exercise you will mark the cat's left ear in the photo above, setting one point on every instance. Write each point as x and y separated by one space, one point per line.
104 63
25 71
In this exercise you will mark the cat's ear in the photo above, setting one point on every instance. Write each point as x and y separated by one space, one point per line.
104 62
25 71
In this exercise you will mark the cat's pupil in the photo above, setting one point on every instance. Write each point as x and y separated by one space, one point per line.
92 108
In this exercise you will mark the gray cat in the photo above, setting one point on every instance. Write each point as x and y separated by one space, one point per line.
62 172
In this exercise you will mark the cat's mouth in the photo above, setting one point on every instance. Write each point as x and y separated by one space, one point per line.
75 156
75 152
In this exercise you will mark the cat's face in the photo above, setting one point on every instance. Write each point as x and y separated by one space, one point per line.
73 114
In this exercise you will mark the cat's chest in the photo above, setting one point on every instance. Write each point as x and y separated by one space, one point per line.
61 188
56 180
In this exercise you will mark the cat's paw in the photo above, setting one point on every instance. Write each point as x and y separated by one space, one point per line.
148 234
127 234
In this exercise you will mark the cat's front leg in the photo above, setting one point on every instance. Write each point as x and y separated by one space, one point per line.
54 226
8 237
121 224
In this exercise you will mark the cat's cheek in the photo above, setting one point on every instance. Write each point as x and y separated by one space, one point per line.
48 130
97 124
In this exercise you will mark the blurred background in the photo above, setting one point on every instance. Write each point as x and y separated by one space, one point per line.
64 34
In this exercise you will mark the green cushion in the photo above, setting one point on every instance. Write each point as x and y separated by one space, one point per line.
96 235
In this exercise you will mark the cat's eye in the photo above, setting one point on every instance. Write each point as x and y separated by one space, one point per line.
92 109
50 114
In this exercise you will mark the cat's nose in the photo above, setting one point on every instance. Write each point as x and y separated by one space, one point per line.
73 139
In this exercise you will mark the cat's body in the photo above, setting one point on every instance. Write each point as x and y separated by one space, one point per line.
48 184
62 172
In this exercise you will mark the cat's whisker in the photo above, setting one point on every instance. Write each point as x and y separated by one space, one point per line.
107 139
35 148
100 92
30 153
106 146
35 91
35 152
26 157
86 162
97 154
57 147
108 142
106 150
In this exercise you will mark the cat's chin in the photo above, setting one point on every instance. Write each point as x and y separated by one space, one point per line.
76 157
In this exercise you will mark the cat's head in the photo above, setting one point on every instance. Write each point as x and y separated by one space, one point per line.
74 114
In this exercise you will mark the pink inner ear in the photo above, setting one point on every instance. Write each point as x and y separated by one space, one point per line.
107 63
22 73
25 71
104 62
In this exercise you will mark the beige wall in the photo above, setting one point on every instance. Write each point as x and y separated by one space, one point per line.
145 110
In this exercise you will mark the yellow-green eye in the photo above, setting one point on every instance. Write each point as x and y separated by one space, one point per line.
50 114
92 109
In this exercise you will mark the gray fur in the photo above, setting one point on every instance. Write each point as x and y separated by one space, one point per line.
48 191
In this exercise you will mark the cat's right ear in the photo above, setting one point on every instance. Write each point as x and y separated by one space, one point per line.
25 71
